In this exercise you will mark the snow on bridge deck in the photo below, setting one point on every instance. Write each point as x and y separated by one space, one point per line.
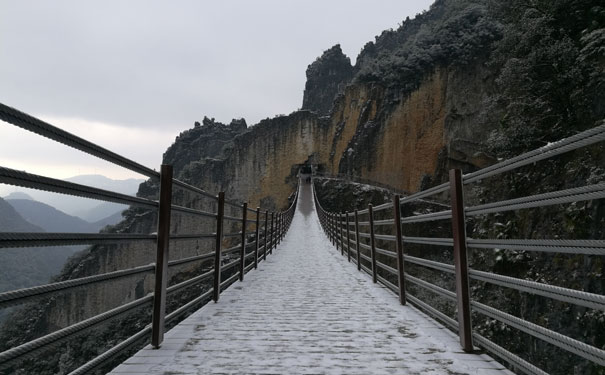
306 310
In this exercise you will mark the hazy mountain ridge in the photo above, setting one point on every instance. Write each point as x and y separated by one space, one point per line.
25 267
88 209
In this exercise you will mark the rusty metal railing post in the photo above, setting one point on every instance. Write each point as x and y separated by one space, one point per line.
342 235
281 226
460 261
242 256
266 228
399 247
272 242
331 226
220 213
372 243
357 241
278 225
336 216
348 224
257 237
161 263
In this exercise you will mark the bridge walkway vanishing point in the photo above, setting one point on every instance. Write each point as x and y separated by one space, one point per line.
306 310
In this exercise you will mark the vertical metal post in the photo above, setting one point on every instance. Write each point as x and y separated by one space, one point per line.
281 226
219 244
266 227
342 235
242 256
272 232
257 237
372 243
330 229
161 263
348 237
357 241
399 244
336 226
460 261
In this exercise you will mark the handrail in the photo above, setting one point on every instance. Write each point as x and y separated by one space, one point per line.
162 238
387 270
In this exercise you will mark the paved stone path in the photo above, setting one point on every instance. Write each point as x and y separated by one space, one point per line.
306 310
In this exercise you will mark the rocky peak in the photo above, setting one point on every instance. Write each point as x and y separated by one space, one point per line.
208 139
238 125
326 76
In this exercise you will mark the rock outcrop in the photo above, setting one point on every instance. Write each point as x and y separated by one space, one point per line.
326 77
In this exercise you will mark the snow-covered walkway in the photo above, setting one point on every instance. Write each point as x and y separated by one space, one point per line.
306 310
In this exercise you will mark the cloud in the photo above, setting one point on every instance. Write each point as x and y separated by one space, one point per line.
132 74
27 151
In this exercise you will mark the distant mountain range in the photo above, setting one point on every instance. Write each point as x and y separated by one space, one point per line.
39 211
28 266
89 210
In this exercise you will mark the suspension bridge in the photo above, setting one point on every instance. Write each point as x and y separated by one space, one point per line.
303 290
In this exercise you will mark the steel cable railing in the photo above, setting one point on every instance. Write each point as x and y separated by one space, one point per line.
248 250
337 230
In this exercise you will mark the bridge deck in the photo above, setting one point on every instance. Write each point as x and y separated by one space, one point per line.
305 310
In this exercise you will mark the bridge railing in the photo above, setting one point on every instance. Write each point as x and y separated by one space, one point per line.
358 236
259 233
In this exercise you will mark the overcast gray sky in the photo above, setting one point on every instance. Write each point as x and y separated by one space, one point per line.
130 75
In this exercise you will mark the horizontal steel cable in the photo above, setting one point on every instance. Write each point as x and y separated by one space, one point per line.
540 200
232 218
193 189
230 265
29 180
449 268
366 270
249 267
382 207
187 283
188 306
386 252
15 296
364 246
441 215
22 239
195 258
53 337
387 268
387 283
192 211
577 297
192 236
511 358
231 249
230 280
425 193
365 257
430 310
586 351
429 241
378 223
582 139
432 287
234 234
587 247
384 237
109 354
27 122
